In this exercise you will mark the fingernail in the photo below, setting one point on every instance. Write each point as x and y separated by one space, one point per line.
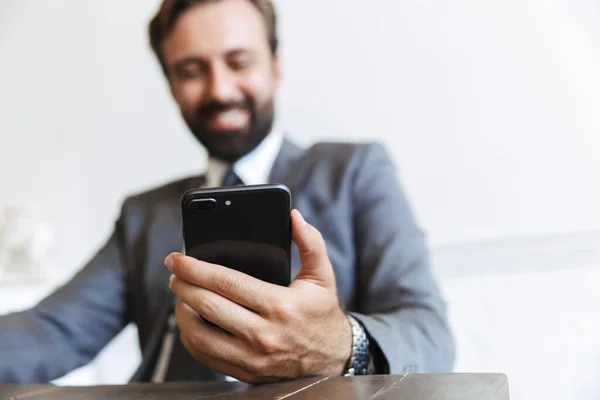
169 262
171 279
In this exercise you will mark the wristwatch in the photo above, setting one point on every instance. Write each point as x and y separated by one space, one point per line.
359 361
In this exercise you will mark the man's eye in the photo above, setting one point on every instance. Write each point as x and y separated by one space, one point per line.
240 64
190 72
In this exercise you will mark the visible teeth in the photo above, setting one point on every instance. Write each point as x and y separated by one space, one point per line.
230 116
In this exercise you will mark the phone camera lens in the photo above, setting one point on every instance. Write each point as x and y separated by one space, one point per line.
202 204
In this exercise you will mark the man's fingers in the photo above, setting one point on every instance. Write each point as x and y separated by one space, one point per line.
222 352
223 367
236 286
232 317
200 338
315 265
239 372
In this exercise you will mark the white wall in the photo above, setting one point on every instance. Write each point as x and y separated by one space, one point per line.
85 116
490 109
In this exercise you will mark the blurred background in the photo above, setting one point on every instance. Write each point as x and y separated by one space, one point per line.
491 111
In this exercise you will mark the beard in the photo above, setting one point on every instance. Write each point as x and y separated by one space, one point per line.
231 145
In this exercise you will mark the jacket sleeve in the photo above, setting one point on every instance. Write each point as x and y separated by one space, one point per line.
399 302
71 326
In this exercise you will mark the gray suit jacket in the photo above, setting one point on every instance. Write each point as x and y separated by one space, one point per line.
348 191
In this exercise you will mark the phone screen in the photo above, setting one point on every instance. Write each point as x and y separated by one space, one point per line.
245 228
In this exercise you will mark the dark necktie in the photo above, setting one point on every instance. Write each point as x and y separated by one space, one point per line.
231 179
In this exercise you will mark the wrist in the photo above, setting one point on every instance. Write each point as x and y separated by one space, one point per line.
339 350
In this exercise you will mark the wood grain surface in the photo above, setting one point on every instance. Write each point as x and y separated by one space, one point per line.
381 387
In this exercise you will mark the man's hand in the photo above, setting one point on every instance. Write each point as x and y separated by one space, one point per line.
274 332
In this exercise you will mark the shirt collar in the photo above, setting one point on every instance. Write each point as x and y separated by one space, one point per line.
253 169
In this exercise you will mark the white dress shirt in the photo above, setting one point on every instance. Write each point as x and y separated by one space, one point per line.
253 169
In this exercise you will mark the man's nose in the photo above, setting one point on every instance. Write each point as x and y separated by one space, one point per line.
222 86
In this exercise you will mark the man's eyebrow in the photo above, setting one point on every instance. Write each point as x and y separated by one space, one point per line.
198 60
237 52
186 61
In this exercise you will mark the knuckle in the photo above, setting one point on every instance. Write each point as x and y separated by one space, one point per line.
254 334
225 283
255 367
207 304
187 337
245 366
196 343
285 310
268 343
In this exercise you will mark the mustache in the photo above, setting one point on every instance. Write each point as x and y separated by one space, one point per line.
210 109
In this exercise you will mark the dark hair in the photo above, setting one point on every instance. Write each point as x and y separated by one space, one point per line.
170 11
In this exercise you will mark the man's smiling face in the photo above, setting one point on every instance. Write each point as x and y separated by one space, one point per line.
223 75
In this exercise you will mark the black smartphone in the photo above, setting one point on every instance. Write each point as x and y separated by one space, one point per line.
246 228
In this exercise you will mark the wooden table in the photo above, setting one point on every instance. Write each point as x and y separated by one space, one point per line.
412 386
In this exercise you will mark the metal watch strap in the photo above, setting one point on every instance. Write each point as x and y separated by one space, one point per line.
359 360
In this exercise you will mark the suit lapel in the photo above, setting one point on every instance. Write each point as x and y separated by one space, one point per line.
168 237
287 168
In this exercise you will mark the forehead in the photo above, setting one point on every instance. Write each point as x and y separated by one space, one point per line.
215 28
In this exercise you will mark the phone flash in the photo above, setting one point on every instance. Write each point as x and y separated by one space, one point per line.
228 203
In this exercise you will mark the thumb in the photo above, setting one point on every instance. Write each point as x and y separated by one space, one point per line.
315 265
